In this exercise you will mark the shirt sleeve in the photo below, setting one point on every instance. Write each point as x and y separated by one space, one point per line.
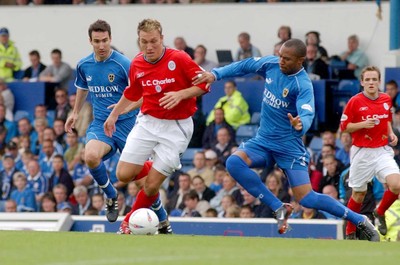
347 115
305 107
190 69
134 90
80 80
240 68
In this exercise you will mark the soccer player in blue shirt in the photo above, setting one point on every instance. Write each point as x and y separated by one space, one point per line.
104 74
286 115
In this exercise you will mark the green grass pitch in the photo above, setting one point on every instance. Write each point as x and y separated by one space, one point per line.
78 248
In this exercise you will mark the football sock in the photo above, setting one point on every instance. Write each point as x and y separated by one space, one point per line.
145 170
99 173
158 208
249 180
388 199
356 207
328 204
142 201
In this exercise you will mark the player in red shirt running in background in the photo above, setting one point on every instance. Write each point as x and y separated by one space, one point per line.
367 117
164 126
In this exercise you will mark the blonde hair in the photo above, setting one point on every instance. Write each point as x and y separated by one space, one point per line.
19 175
370 69
148 25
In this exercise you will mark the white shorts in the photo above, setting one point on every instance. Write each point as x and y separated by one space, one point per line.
165 139
365 163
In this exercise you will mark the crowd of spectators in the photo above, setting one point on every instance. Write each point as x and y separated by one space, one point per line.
127 2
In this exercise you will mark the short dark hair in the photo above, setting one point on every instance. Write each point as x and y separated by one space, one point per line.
34 53
202 47
192 194
289 30
99 26
392 82
56 51
59 156
316 33
244 35
301 49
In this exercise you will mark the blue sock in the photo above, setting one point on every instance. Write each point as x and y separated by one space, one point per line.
328 204
100 175
158 208
249 180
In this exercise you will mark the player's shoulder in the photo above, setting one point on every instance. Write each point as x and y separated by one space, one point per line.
139 57
267 59
302 79
119 58
87 59
176 54
384 96
359 97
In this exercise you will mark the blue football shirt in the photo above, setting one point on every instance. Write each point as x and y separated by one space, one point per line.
105 81
283 94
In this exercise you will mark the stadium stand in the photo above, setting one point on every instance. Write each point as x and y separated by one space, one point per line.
245 132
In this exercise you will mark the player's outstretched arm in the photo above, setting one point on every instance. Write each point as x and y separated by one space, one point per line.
109 124
203 77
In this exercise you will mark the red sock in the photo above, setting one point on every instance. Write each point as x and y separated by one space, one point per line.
142 201
355 207
388 199
145 170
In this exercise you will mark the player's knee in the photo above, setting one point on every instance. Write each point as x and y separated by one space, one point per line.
395 188
124 175
235 164
92 159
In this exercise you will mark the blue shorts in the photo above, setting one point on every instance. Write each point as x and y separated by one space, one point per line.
291 154
117 141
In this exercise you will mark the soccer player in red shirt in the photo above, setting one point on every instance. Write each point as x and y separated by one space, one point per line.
367 117
162 77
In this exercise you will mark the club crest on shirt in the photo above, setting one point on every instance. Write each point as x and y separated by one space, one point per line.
111 77
285 92
88 78
171 65
158 88
385 106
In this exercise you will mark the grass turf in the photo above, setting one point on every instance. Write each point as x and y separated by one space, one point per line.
77 248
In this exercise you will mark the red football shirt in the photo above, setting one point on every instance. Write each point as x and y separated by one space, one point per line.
172 72
360 108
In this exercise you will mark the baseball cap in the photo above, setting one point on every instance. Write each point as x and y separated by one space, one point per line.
63 206
210 154
4 31
12 145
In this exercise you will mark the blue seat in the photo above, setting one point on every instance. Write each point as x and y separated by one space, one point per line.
335 66
245 132
187 156
255 118
315 146
19 114
351 86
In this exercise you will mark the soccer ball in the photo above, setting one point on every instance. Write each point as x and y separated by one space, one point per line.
143 222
